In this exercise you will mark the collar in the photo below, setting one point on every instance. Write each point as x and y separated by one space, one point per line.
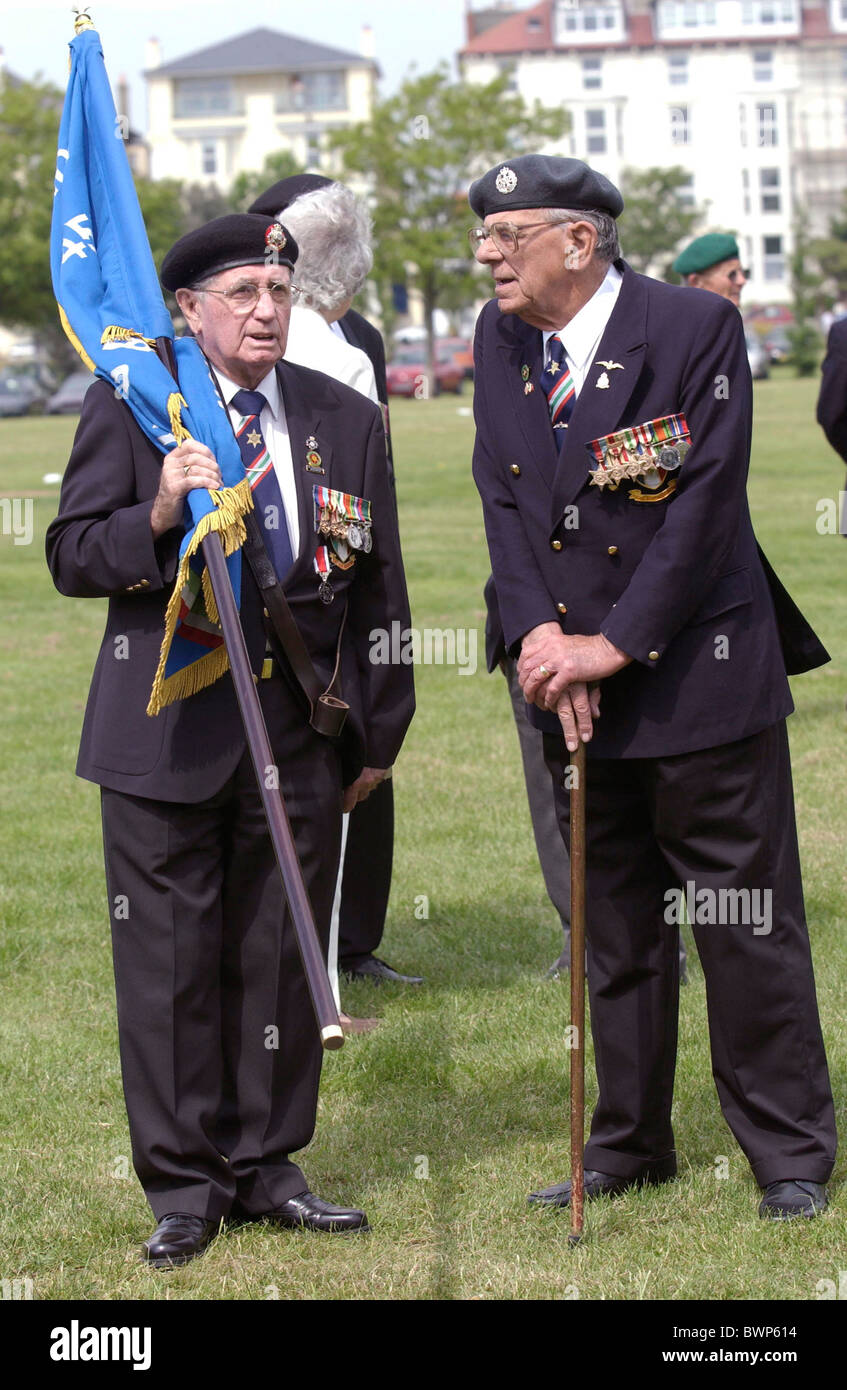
269 387
584 331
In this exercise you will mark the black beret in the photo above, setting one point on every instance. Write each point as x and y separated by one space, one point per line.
543 181
281 195
240 238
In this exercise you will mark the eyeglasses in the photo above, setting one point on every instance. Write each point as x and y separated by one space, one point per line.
735 275
243 297
505 235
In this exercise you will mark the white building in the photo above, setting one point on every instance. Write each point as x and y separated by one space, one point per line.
223 110
749 95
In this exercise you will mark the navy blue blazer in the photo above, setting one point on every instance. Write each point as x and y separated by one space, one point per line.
101 545
679 584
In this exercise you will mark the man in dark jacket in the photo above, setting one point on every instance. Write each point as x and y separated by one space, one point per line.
613 434
219 1050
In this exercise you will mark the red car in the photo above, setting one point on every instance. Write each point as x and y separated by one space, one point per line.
408 374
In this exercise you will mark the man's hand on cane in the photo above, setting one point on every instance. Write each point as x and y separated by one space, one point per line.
560 673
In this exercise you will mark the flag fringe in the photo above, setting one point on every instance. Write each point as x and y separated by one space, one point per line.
66 324
232 504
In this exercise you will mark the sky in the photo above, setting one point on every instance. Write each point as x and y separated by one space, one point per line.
34 33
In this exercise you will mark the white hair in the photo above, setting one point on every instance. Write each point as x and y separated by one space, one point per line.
333 231
607 247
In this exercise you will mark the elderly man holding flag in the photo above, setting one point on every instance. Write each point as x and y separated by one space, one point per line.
219 1052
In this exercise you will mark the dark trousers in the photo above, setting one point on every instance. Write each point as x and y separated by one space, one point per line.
220 1053
366 878
720 819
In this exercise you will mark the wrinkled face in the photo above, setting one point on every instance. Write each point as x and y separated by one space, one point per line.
726 278
529 281
243 345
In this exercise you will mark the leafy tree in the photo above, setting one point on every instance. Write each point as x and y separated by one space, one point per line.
831 253
29 123
418 152
248 185
803 333
655 220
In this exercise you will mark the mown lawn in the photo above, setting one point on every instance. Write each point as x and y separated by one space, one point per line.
442 1120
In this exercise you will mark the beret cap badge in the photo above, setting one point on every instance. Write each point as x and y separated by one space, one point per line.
506 181
275 236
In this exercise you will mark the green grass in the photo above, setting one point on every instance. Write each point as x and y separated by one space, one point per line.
466 1078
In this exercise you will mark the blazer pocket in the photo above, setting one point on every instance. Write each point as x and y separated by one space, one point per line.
728 592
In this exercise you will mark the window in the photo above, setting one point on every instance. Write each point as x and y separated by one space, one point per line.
209 156
689 14
595 132
589 21
745 187
742 124
762 12
313 91
592 73
208 98
769 189
678 69
774 261
680 126
763 65
766 124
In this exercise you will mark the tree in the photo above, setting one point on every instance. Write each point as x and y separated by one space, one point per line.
247 186
831 253
655 219
29 123
419 150
803 333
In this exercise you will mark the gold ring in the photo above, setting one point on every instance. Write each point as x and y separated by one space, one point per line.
187 469
542 671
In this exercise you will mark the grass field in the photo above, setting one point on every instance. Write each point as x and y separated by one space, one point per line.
442 1120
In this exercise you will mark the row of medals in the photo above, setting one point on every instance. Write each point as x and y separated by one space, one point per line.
356 534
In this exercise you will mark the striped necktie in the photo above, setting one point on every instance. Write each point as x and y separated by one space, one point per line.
264 484
557 384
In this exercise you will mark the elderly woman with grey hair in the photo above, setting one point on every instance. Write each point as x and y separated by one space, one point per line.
333 231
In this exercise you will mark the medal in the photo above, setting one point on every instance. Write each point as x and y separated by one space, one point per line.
354 536
326 593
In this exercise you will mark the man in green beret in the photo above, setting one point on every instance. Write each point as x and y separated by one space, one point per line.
711 262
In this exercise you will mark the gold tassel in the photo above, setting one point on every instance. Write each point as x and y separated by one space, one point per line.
231 505
115 334
175 404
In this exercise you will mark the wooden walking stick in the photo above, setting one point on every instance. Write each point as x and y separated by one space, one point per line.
577 1034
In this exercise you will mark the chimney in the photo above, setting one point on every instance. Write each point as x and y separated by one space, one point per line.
367 47
152 54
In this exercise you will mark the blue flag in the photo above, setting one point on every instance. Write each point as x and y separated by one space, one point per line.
112 309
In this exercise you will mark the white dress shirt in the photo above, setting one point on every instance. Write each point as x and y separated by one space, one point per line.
274 427
581 337
312 343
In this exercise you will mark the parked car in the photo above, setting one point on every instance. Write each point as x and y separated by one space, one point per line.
458 351
757 357
777 345
20 395
68 399
407 373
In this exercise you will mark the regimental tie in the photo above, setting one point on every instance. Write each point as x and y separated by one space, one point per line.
557 385
264 484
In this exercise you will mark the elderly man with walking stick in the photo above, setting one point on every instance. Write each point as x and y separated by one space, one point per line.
613 420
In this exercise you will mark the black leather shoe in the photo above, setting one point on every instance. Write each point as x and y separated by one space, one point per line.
597 1184
372 968
310 1213
177 1239
560 966
792 1197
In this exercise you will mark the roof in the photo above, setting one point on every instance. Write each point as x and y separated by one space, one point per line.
259 50
531 31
